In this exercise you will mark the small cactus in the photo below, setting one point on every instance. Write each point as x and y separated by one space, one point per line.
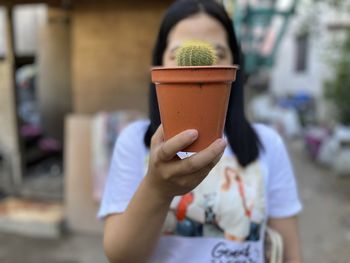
195 53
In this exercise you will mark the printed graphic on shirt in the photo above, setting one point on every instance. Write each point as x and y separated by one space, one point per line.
174 249
230 203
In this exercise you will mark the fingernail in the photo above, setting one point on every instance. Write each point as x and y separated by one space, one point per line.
222 142
192 133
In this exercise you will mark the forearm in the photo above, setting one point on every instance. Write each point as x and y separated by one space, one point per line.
134 234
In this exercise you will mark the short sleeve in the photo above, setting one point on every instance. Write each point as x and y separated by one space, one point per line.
282 195
126 170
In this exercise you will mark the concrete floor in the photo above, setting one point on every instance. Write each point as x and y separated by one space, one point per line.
325 220
69 249
324 223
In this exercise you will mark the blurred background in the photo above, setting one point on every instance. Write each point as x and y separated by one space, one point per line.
74 73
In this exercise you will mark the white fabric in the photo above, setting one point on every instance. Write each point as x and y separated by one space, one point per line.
228 210
335 152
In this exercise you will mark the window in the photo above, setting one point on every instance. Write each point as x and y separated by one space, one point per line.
302 43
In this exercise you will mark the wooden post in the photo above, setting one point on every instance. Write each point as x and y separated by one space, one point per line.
10 60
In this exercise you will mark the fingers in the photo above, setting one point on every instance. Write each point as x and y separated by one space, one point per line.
177 143
204 159
158 136
214 162
197 177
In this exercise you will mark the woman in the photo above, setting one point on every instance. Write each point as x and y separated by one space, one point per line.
213 206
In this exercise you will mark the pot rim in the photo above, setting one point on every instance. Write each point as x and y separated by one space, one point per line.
235 66
194 74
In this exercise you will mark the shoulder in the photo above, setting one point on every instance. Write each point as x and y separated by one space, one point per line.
267 135
133 134
135 128
271 140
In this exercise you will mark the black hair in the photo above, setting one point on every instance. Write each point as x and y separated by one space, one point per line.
240 134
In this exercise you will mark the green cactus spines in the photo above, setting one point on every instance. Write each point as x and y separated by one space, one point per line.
195 53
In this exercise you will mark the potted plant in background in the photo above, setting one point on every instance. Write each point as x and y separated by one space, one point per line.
195 94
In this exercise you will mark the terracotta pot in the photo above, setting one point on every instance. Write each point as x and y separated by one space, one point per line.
194 98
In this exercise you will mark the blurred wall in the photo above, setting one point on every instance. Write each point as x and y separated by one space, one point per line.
27 20
320 50
54 67
111 53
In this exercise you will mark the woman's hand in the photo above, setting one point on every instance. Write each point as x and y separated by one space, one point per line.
171 176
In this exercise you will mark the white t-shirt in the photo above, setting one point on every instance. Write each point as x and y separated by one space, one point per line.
222 220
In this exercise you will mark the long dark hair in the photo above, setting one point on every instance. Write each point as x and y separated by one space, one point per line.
240 134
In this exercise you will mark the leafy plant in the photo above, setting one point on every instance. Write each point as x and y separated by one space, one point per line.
195 53
337 90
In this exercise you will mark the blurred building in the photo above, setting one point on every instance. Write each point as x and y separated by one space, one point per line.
304 59
87 56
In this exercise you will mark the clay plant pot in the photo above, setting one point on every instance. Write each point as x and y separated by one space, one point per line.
194 98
